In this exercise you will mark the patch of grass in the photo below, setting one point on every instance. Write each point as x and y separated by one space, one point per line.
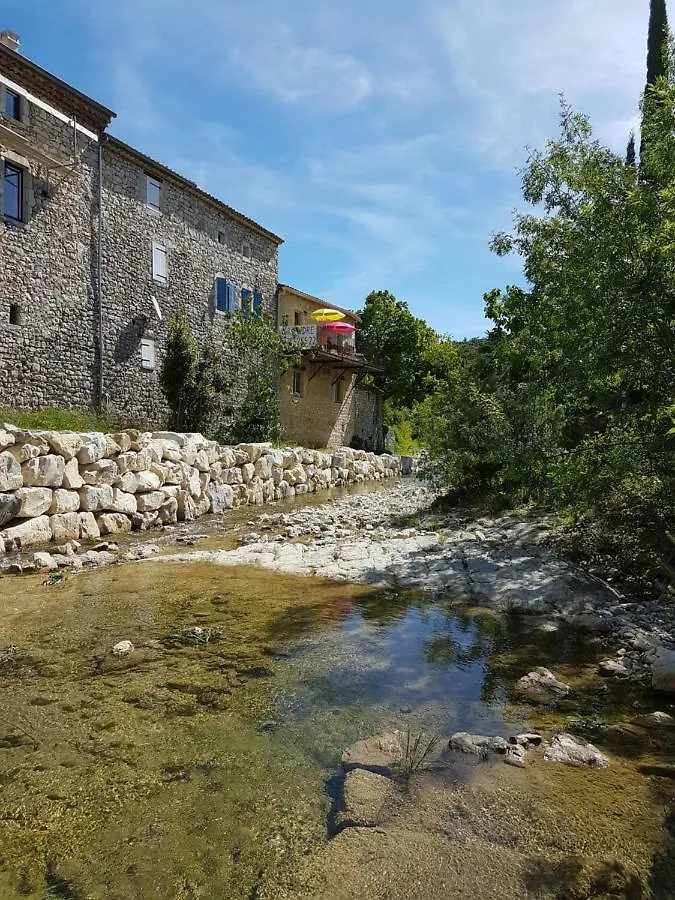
416 750
53 418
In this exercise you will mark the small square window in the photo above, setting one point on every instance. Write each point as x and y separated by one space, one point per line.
153 195
246 250
221 237
12 192
15 314
297 382
13 105
147 354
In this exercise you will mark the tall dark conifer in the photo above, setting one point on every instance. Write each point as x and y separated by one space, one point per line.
657 44
630 150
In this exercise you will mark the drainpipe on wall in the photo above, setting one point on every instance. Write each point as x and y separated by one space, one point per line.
99 275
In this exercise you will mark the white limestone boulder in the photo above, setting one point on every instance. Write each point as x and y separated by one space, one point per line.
72 480
64 501
168 511
95 498
123 502
6 439
10 472
27 534
148 481
104 471
92 449
65 526
65 443
122 439
88 526
113 523
35 501
221 497
150 501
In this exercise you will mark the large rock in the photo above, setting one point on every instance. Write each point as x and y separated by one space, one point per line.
65 443
148 481
34 501
663 671
221 496
92 449
150 502
10 472
66 526
574 751
28 533
113 523
123 502
253 451
104 471
44 471
122 439
88 526
383 751
477 744
64 501
541 686
367 798
95 498
168 512
72 480
7 439
9 508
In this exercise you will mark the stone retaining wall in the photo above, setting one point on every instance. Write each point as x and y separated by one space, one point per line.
65 486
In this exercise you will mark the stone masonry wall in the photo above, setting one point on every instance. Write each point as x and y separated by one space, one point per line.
66 486
201 243
45 271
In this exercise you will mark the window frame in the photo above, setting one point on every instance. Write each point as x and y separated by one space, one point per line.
247 250
159 247
20 172
225 292
150 180
296 383
17 104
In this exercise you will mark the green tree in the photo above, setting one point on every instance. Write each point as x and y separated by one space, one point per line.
658 62
631 153
178 370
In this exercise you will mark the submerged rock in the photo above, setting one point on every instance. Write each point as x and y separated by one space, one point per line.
541 686
123 648
574 751
383 751
477 744
366 796
516 755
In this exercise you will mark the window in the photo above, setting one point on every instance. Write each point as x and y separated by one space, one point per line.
153 193
225 296
13 104
221 237
257 303
297 317
297 383
159 262
338 394
147 354
12 192
246 302
246 250
15 314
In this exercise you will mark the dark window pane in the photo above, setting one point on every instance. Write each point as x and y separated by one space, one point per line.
12 192
12 104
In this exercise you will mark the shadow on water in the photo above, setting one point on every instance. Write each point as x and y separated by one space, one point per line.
205 768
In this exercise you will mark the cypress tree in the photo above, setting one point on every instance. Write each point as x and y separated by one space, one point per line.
630 150
657 50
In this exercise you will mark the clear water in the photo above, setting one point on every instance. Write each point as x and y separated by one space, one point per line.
205 769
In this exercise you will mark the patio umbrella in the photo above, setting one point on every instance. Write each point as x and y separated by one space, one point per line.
341 327
326 315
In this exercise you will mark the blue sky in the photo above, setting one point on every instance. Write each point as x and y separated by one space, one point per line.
379 138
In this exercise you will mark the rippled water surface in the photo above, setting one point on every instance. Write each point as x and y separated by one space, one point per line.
200 767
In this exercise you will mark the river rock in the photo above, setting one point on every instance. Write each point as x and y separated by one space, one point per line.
574 751
383 751
663 671
28 533
44 471
10 472
477 744
515 755
122 648
113 523
612 668
42 560
88 526
66 526
33 501
9 507
366 798
541 686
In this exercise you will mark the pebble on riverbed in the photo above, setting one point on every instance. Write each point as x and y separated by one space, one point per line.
574 751
123 648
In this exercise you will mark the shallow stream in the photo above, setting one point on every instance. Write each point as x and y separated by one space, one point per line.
204 764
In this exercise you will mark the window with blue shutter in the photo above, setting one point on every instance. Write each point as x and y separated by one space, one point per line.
257 303
231 297
221 295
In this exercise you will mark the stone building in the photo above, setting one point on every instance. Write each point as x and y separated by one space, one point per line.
322 400
99 246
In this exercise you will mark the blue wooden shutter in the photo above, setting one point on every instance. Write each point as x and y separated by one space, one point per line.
221 295
231 298
257 303
246 302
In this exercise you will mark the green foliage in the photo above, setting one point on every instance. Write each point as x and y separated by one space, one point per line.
53 419
416 751
178 372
